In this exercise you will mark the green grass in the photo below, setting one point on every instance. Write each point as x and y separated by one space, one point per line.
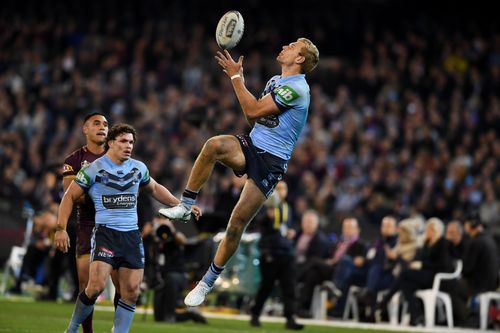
39 317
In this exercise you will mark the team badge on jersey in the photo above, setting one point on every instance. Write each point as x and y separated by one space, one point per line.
85 164
104 177
67 168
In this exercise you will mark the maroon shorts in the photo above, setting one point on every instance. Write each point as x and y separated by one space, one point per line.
83 237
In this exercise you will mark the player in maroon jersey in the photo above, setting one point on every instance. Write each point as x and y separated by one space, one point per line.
95 128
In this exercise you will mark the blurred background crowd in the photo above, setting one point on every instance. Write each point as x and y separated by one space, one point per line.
404 119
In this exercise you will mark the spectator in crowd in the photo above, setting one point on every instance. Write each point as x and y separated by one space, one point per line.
347 258
480 270
380 266
458 240
489 213
37 253
311 243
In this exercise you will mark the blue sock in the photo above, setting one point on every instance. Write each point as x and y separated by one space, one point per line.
212 274
83 308
124 314
188 198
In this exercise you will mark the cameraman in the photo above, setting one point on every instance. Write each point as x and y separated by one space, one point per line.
169 276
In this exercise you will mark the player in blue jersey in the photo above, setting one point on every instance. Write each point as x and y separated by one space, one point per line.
112 182
278 118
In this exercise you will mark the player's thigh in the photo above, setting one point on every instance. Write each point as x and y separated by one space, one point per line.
129 280
228 151
83 268
249 203
98 275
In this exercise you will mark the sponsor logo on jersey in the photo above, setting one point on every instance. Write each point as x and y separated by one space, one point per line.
105 253
286 93
271 121
85 164
82 178
119 201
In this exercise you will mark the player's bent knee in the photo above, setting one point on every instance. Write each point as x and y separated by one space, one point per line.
131 293
93 293
95 287
214 146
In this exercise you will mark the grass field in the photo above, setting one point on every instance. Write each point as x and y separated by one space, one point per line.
41 317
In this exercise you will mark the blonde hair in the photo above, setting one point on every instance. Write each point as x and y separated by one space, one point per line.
437 224
310 53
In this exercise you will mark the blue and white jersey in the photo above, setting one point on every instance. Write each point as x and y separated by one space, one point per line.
278 134
114 188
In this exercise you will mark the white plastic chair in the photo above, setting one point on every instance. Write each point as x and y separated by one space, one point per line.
431 297
13 265
393 309
484 305
351 304
318 303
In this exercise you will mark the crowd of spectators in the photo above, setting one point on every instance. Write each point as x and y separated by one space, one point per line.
402 122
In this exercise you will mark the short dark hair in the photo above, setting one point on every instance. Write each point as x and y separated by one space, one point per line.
473 219
90 115
118 130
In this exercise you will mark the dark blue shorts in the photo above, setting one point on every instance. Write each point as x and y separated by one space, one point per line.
117 248
265 169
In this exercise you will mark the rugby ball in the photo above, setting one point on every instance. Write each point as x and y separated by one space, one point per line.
229 30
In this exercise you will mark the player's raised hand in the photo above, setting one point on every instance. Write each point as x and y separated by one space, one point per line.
228 65
61 241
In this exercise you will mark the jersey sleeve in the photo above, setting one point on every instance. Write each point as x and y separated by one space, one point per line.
85 178
288 95
70 168
145 179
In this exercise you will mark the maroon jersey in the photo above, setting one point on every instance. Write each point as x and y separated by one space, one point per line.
81 158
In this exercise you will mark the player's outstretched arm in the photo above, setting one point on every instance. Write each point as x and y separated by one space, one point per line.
252 108
161 193
61 238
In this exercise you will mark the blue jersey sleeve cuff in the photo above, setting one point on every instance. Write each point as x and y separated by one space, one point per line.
85 188
145 183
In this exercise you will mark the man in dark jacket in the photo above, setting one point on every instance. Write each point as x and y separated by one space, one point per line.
380 267
480 271
276 257
310 243
458 240
347 259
